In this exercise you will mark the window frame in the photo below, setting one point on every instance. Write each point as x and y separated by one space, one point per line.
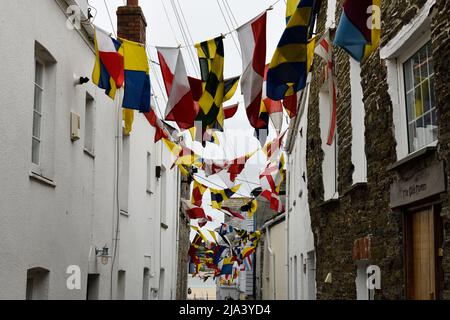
37 166
90 103
401 60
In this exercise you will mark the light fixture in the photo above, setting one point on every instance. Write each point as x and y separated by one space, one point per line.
79 80
103 254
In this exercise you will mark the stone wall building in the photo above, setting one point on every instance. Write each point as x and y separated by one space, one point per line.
379 194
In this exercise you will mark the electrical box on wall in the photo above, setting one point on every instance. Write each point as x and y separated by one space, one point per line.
74 126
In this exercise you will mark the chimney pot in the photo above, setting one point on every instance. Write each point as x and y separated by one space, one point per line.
133 3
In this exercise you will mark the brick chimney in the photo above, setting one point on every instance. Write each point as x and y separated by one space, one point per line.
131 23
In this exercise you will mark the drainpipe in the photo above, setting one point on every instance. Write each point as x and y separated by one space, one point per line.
287 229
265 228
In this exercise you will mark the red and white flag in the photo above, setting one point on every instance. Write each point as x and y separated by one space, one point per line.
252 38
192 211
274 108
271 177
180 105
325 50
275 202
109 56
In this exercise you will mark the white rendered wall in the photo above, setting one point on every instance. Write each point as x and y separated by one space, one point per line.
301 238
54 227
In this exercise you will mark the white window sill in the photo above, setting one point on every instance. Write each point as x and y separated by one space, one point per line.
89 153
41 179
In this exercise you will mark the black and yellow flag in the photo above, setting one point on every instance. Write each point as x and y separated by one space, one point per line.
211 56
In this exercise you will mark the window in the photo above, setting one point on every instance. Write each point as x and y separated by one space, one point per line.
43 113
150 175
359 159
146 284
163 189
330 160
125 175
93 287
121 278
89 124
37 284
420 100
37 111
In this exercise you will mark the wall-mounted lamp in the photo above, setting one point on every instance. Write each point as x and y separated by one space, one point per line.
103 254
79 81
158 171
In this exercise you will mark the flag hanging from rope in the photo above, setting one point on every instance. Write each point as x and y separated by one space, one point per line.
252 38
359 30
197 193
180 105
325 50
274 108
161 131
236 166
219 196
108 73
137 77
192 211
289 66
272 149
250 208
232 213
211 56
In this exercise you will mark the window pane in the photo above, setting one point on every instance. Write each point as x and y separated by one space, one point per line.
418 102
432 97
416 68
426 96
434 127
38 73
35 151
423 62
36 125
410 106
37 98
412 137
407 67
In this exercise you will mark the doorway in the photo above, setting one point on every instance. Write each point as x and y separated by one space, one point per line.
423 240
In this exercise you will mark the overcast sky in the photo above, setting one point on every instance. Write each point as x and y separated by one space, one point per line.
205 21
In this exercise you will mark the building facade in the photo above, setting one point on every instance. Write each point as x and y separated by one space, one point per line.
379 194
72 184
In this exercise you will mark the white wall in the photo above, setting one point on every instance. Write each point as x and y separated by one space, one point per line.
56 226
301 238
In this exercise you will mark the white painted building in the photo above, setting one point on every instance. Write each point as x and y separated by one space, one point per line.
57 196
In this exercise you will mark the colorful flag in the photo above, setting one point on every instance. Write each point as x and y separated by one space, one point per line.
161 131
275 202
252 38
271 177
128 119
230 111
197 193
219 196
232 213
180 105
227 266
211 56
236 166
358 32
274 108
108 70
192 211
225 229
137 78
185 157
325 50
250 208
289 66
272 149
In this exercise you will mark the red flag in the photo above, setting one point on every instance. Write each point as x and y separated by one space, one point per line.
233 213
154 121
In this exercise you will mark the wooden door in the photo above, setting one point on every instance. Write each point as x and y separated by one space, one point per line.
422 256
